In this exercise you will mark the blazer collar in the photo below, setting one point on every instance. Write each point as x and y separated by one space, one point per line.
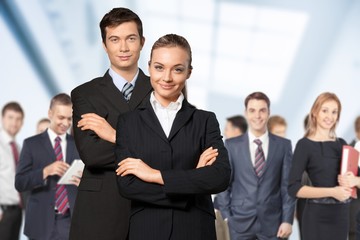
114 95
149 117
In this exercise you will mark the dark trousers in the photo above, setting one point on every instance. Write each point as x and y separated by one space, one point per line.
354 209
252 234
358 226
10 223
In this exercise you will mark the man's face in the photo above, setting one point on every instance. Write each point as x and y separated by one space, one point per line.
257 114
12 122
60 118
123 45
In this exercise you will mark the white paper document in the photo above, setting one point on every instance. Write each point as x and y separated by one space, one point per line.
76 166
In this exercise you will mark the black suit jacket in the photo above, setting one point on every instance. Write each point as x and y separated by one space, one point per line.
37 153
100 212
182 208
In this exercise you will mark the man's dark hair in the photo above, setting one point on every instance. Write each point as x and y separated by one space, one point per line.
118 16
257 96
239 122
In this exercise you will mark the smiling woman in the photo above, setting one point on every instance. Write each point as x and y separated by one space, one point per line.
326 214
175 159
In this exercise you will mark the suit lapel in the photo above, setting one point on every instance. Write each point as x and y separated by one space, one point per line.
247 155
141 90
46 142
148 115
69 149
181 118
271 152
112 93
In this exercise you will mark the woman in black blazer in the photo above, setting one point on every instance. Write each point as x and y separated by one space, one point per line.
171 155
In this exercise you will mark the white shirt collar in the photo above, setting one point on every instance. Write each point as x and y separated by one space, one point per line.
263 138
172 106
53 135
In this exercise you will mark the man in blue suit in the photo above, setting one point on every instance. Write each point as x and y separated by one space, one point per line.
257 204
43 160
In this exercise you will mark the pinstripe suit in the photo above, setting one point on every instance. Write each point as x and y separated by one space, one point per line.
100 212
182 207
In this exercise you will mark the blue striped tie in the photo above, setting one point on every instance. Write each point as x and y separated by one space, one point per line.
127 91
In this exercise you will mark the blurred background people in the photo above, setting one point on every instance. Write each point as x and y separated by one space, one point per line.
277 125
42 125
44 158
357 131
10 199
235 126
355 203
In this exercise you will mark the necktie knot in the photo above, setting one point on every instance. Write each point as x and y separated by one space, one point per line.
127 91
58 139
258 142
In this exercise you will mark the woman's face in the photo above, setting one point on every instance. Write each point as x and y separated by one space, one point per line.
328 115
169 70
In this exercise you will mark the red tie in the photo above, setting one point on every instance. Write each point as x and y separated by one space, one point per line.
61 198
15 152
16 160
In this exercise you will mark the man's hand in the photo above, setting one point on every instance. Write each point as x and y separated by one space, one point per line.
92 121
208 157
76 178
285 230
56 168
140 169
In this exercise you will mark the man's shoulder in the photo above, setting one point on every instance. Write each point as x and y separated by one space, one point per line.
279 140
88 86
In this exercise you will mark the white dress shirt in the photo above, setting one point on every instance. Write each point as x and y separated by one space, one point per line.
8 193
253 146
63 143
166 115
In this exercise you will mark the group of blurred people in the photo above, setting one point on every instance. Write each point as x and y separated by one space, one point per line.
153 161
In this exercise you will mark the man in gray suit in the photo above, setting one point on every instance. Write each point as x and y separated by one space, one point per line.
256 204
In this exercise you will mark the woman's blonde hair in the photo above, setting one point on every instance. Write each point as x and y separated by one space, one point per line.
315 109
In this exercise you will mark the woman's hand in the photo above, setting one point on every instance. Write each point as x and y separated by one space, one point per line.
140 169
349 180
341 193
208 157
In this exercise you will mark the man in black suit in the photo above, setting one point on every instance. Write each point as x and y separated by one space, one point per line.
100 211
44 159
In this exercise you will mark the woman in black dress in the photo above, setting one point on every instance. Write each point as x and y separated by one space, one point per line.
326 214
